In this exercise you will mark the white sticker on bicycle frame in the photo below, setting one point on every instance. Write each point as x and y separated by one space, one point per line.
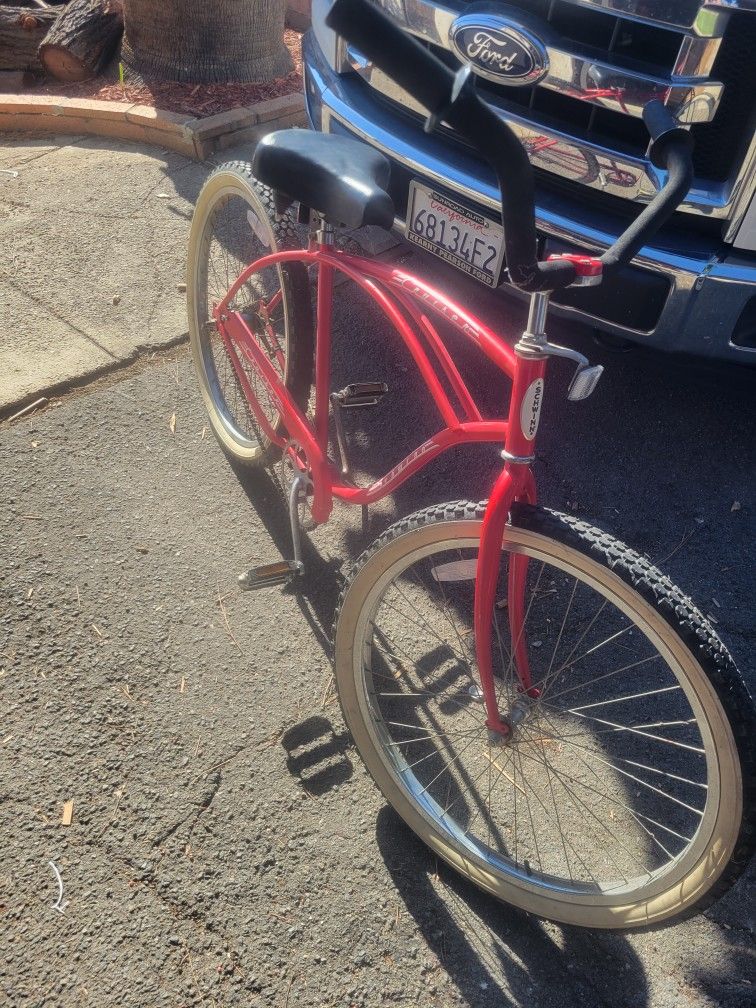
259 228
530 409
455 570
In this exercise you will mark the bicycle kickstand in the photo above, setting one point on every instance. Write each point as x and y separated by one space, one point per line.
281 572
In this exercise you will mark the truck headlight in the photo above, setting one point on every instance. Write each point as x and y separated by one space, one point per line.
334 48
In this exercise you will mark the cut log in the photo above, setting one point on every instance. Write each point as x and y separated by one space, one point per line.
83 39
21 31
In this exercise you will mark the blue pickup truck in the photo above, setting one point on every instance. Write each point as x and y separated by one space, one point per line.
571 77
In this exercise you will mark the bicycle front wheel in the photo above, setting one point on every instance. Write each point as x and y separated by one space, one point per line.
621 797
234 224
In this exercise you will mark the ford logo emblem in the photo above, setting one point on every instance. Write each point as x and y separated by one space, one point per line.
500 49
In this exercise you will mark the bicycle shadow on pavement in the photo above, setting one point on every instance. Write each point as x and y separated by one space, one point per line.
496 954
729 978
317 755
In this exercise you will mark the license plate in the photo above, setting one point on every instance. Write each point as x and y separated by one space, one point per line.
467 240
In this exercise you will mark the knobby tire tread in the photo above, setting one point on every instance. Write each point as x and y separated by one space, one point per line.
301 348
677 610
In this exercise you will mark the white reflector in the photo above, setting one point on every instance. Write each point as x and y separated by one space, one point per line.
584 382
455 570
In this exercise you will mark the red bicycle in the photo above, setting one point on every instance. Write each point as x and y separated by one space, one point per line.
547 711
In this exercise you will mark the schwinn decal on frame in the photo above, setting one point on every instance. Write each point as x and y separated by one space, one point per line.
530 410
418 453
429 298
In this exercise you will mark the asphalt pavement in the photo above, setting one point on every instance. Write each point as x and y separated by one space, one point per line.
226 846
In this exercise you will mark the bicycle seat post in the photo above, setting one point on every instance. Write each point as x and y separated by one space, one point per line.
324 232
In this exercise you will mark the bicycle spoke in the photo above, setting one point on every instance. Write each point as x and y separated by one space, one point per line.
507 682
606 675
636 779
613 800
534 831
466 791
582 637
613 727
623 699
501 773
430 629
614 731
562 836
445 609
593 650
515 644
441 696
428 735
546 680
641 766
411 660
562 777
488 795
448 766
401 724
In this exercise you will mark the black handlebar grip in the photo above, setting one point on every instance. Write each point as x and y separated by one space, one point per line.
399 55
665 131
679 164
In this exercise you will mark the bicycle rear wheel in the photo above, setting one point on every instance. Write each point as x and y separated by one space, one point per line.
624 796
235 224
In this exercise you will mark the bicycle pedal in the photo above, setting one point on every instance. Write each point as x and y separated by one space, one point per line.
360 394
269 575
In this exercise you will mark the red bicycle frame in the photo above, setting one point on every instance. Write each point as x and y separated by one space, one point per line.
408 302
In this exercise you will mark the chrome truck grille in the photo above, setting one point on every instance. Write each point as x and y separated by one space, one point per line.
581 122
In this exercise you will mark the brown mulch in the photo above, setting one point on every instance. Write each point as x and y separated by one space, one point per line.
193 99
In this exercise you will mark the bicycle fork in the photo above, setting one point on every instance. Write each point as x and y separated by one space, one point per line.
516 483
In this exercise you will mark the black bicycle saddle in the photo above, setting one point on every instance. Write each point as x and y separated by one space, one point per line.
341 178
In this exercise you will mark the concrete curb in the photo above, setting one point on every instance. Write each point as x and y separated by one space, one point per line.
23 406
193 137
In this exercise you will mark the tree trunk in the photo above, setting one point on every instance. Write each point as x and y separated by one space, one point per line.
83 39
21 31
200 41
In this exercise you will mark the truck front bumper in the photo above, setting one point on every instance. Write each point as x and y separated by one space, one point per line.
685 293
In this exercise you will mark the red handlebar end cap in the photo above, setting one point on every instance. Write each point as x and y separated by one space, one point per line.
588 269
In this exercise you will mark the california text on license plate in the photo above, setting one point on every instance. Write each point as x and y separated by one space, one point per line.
462 237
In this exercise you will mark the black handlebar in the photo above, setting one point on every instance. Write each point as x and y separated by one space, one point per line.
431 83
671 148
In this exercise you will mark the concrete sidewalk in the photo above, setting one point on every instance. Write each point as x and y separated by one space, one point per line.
94 234
94 237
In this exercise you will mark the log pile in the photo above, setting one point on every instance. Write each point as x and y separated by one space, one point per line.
83 39
71 41
21 31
